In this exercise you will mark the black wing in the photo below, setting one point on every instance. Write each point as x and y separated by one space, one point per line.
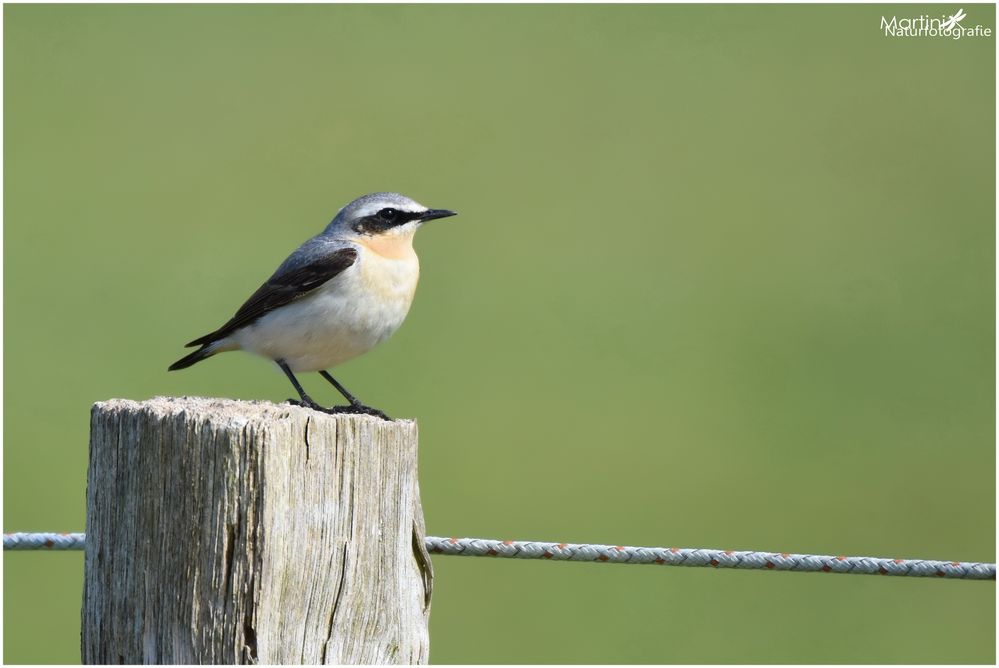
284 287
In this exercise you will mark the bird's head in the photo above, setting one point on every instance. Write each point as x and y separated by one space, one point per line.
387 215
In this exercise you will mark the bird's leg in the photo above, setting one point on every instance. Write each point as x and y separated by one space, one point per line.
341 389
355 405
306 400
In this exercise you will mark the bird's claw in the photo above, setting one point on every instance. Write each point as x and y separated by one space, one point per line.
305 404
356 409
350 409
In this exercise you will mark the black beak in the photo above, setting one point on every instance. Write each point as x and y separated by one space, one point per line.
434 214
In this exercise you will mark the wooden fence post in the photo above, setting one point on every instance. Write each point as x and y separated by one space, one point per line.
247 532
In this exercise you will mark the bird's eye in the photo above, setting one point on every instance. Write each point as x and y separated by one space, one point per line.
388 214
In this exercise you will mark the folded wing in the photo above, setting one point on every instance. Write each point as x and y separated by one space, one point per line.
284 287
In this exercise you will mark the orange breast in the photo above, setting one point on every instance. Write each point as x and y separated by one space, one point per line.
390 246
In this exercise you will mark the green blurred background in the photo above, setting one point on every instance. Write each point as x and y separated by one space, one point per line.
723 277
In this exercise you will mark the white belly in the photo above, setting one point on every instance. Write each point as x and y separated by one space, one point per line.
346 317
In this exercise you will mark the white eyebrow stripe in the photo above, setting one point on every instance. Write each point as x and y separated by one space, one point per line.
374 207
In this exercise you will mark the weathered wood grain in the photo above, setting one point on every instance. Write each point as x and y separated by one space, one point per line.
246 532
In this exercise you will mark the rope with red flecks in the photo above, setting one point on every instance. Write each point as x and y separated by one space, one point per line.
621 554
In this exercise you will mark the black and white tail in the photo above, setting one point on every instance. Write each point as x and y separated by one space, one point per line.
188 360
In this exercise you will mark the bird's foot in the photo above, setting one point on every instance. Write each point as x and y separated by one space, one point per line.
307 403
350 409
356 409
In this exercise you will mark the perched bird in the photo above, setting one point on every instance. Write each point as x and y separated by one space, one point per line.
339 295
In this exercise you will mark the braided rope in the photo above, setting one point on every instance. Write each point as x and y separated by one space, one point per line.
620 554
43 541
674 556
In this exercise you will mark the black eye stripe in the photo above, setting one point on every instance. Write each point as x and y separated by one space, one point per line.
382 220
402 217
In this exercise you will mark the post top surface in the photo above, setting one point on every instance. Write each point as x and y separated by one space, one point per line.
232 409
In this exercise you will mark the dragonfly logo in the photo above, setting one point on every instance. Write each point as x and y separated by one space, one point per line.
953 20
925 25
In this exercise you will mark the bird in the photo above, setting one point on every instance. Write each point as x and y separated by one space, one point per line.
336 297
